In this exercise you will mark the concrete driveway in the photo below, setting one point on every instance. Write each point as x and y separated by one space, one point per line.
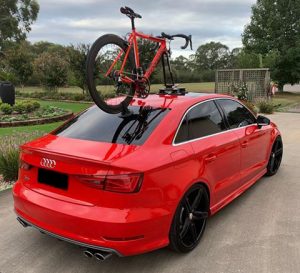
258 232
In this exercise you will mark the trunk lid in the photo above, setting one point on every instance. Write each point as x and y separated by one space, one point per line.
65 160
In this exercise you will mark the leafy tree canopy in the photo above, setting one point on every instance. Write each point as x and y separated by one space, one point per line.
211 56
274 32
16 17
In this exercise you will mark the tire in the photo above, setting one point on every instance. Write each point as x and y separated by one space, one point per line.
189 221
92 73
275 157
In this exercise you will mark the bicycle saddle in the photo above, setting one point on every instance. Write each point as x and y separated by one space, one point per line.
129 12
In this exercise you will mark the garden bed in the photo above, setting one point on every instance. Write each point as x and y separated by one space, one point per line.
31 113
36 121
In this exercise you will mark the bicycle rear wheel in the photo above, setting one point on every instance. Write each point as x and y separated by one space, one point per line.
104 62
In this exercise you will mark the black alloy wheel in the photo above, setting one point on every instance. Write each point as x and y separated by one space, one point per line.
190 219
275 157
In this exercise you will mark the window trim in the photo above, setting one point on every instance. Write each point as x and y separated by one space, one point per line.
222 115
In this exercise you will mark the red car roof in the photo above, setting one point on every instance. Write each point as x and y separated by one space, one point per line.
171 101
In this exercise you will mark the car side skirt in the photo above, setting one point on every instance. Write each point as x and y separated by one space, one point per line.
214 209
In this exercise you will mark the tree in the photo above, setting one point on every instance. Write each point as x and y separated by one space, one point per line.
20 60
211 56
275 27
53 70
77 60
287 67
247 60
16 18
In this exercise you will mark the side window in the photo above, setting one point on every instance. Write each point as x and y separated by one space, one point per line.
204 120
182 134
237 115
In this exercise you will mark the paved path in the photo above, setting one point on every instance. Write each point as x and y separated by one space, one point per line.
258 232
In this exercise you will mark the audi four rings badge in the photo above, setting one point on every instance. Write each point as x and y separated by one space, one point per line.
48 163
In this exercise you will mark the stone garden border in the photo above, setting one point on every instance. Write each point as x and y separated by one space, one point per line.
36 121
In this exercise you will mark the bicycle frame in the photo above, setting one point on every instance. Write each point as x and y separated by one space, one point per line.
132 40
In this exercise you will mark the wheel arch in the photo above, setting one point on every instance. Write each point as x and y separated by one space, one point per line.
189 185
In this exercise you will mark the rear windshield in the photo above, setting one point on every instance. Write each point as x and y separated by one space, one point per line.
96 125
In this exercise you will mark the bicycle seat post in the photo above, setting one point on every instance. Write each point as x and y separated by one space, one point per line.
132 23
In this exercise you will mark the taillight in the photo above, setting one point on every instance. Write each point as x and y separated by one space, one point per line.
125 183
24 166
93 181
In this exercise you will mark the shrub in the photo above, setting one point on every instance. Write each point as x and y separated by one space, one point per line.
59 96
9 153
9 165
36 105
19 107
265 107
6 109
79 97
28 106
250 106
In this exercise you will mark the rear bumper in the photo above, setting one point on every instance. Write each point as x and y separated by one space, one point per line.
25 223
122 231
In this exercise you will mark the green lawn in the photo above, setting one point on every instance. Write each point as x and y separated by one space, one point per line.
286 100
45 128
193 87
74 107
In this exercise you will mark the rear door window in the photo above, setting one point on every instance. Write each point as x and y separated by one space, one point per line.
96 125
202 120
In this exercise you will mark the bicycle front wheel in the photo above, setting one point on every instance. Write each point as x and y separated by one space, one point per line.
104 62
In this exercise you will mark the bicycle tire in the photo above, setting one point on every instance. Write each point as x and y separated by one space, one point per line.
90 66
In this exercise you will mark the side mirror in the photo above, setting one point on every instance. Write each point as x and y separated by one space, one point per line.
262 121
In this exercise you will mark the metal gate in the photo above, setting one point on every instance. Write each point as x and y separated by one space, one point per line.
257 81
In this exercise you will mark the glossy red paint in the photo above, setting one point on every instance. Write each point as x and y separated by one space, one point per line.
226 163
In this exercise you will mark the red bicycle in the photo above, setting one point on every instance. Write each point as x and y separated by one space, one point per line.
114 66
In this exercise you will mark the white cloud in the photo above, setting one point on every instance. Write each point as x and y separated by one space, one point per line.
82 21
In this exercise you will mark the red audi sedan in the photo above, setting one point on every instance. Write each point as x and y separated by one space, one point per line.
129 184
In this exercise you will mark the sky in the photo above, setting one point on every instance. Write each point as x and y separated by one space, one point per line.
83 21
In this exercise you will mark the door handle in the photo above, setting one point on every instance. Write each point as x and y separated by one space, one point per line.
210 158
245 144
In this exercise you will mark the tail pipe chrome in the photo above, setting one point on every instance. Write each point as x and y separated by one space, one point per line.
88 253
100 255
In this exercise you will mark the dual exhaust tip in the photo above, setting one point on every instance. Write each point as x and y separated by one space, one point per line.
98 254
